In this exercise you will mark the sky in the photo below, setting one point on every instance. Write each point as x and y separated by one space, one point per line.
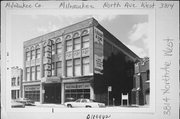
132 30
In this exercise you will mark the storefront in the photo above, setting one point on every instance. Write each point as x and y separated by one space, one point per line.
32 92
77 90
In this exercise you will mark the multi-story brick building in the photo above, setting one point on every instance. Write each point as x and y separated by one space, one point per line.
63 64
141 81
16 78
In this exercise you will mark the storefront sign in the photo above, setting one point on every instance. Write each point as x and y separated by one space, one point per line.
32 88
77 86
98 50
52 80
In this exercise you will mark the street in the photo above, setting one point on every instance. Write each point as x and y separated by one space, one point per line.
63 106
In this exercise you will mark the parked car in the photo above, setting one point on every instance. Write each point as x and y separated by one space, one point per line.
25 101
17 104
69 99
87 103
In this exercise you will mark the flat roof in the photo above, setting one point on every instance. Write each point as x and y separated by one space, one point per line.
78 26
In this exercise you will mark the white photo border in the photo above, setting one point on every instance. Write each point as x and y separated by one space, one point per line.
6 59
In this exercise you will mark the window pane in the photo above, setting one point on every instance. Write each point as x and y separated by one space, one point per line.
85 38
69 48
69 67
85 41
33 54
69 71
38 53
69 42
85 65
59 66
69 63
13 82
77 70
85 44
77 43
28 74
27 56
59 48
77 67
77 46
18 81
33 73
86 69
38 72
59 71
77 61
69 45
85 60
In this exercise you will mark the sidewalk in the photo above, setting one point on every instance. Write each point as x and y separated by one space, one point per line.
50 105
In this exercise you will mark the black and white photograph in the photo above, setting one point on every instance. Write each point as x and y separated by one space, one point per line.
72 61
80 61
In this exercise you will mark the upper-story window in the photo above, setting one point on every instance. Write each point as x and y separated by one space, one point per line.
27 55
53 48
33 54
32 73
38 76
18 80
148 75
85 65
38 53
27 74
69 45
59 47
13 83
77 43
85 41
69 68
59 68
77 67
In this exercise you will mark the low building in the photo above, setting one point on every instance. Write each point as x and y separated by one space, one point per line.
70 63
16 78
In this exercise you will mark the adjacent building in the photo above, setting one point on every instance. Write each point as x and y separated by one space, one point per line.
16 78
70 62
141 90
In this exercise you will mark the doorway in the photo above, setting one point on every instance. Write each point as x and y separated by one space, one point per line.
52 93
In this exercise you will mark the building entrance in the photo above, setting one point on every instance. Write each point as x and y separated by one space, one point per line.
52 93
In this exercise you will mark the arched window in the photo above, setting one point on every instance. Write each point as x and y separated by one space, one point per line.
37 51
32 53
68 43
76 41
85 39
